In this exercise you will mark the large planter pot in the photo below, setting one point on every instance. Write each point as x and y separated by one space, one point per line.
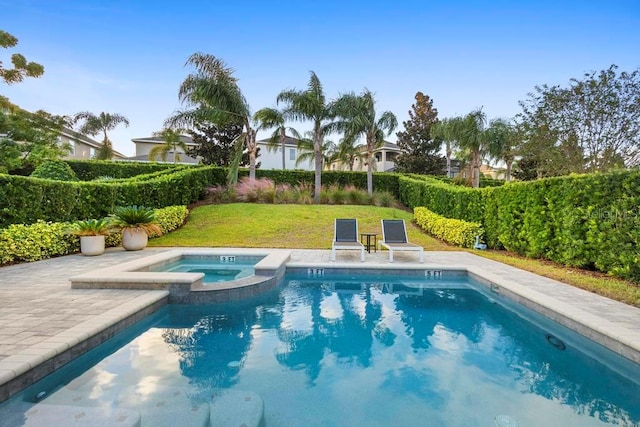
134 239
91 245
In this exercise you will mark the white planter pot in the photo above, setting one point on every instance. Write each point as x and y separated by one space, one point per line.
91 245
134 239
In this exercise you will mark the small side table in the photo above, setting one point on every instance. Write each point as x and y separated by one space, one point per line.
369 241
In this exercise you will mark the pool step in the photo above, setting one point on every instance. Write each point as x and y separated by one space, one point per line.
152 405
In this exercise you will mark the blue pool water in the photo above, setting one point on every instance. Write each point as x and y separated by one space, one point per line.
367 351
214 268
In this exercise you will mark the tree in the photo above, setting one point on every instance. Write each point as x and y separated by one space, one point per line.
503 139
347 152
357 117
596 117
27 139
269 118
172 141
421 150
102 123
212 95
306 146
310 104
215 143
471 135
443 130
21 67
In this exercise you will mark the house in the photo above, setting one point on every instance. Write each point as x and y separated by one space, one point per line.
146 144
271 157
82 147
384 159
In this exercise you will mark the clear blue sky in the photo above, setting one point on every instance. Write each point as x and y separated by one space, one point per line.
127 56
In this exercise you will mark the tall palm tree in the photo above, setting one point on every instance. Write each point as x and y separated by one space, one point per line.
311 104
172 141
307 152
504 139
443 129
357 117
102 123
269 118
212 94
471 135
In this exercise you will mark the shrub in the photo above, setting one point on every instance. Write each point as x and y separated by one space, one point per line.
34 242
454 231
54 169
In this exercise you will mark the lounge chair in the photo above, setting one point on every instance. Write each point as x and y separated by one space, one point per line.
394 238
346 237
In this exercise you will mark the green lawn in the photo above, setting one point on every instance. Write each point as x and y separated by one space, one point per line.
311 227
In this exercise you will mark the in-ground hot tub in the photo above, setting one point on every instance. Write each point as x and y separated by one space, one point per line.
195 276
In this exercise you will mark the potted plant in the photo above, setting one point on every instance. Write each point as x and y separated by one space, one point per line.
135 223
91 233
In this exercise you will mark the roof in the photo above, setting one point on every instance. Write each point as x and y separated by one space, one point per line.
158 140
288 140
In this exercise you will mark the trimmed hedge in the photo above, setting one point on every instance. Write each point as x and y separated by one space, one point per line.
450 201
88 170
26 200
454 231
42 240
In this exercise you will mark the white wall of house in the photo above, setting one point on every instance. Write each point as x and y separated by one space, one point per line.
272 159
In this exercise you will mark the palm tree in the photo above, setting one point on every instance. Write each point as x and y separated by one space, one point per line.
212 94
172 141
347 153
504 139
93 125
471 135
443 129
310 104
357 117
307 152
268 118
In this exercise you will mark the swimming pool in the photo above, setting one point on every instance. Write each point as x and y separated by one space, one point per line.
368 350
219 268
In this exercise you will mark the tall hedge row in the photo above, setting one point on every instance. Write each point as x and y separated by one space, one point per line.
589 221
25 200
87 170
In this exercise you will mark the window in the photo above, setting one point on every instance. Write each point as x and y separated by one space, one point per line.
292 153
92 152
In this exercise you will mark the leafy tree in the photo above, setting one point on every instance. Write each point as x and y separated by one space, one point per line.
27 139
172 141
90 124
596 118
421 150
270 118
21 67
215 144
311 104
212 95
357 117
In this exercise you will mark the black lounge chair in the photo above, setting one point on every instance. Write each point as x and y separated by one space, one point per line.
394 238
346 237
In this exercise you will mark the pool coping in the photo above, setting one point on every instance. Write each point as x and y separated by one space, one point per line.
27 366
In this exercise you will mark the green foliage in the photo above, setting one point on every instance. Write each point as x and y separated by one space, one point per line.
41 240
90 227
88 170
21 67
34 242
422 151
135 217
454 231
54 169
